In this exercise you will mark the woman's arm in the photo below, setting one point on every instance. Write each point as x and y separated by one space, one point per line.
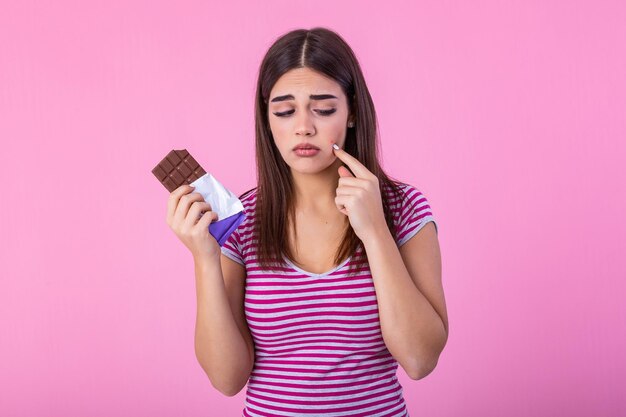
223 350
411 302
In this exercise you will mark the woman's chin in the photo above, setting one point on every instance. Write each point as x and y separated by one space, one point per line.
311 167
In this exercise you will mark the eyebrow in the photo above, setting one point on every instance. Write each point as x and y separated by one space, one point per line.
312 97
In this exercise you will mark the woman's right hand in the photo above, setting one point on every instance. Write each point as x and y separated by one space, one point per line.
189 216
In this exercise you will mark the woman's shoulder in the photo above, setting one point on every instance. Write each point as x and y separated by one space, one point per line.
248 200
410 208
403 197
248 195
398 191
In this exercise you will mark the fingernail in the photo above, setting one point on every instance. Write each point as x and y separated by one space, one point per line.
335 146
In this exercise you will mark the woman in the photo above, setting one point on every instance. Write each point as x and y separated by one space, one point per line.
338 285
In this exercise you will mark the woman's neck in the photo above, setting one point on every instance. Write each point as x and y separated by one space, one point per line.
316 192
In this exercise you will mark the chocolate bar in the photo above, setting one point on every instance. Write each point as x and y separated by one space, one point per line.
178 168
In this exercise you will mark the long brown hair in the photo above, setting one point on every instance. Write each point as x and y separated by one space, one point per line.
324 51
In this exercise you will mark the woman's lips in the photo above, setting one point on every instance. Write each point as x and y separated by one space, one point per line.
306 151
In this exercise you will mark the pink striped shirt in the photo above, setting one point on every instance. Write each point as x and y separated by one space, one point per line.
319 349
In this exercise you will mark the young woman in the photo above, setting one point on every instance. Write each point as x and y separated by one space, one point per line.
334 277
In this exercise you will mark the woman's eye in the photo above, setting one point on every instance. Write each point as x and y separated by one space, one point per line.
322 112
285 113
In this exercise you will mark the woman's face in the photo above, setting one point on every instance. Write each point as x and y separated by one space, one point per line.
306 106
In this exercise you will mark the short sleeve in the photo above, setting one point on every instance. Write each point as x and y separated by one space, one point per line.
414 213
232 248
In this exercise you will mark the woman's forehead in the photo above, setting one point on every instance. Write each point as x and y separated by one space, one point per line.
304 82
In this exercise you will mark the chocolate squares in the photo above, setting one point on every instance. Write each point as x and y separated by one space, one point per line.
178 168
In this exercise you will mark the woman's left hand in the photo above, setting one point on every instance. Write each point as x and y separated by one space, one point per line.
358 197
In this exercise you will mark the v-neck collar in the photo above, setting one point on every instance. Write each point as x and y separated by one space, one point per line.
311 274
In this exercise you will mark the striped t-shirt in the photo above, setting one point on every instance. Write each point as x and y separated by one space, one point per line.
319 349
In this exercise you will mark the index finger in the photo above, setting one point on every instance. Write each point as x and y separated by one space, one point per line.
174 198
359 170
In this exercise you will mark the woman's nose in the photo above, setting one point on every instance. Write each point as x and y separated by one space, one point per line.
304 125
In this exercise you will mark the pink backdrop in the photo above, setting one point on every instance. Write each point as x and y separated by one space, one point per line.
508 115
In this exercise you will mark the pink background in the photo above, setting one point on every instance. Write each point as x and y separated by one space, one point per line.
508 115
